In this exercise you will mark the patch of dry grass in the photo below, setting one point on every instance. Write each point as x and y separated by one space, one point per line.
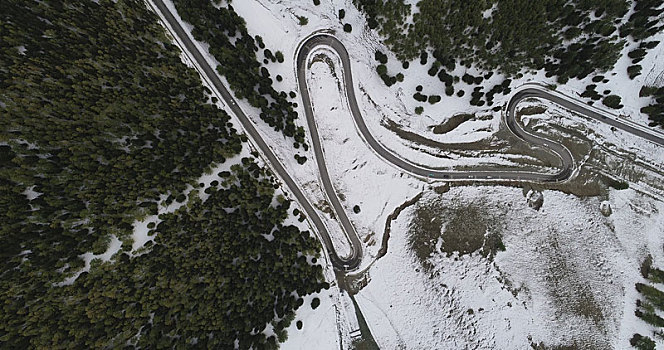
463 229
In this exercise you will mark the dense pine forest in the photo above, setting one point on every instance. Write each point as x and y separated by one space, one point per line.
100 122
565 39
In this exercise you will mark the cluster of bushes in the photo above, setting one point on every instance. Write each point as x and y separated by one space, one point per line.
478 96
637 56
433 99
235 49
381 69
418 96
643 23
100 119
470 80
438 68
642 343
612 101
269 57
380 57
503 88
599 78
300 159
655 110
446 78
651 303
591 93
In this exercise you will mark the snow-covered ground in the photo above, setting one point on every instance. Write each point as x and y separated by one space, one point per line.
567 274
277 23
319 326
594 132
331 106
406 306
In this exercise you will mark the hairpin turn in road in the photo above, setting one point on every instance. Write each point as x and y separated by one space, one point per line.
353 260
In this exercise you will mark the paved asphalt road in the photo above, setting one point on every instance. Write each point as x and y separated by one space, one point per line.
567 162
345 263
353 260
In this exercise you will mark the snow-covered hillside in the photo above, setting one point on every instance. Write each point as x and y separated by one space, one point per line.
568 272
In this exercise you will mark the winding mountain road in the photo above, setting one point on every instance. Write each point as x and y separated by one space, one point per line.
208 73
353 260
510 120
